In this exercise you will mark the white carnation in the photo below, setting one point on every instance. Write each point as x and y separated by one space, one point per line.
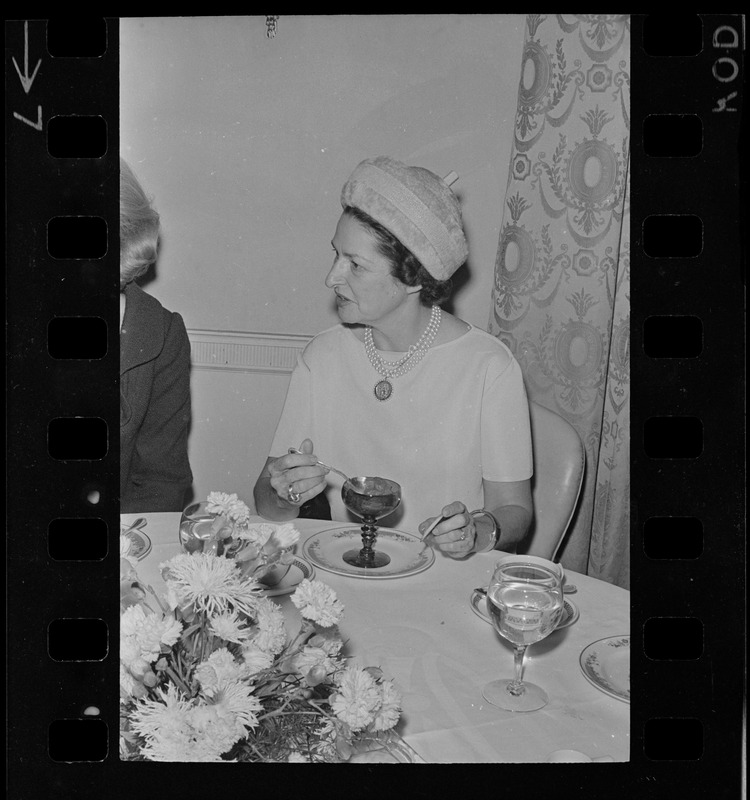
316 601
285 536
256 660
271 634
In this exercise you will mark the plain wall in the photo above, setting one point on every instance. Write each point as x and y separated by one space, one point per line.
244 143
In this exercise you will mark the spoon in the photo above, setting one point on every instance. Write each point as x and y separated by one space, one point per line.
435 522
320 463
139 523
568 588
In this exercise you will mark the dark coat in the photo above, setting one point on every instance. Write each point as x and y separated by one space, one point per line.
154 406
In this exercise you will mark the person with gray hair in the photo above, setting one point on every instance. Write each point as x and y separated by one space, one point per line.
154 370
401 389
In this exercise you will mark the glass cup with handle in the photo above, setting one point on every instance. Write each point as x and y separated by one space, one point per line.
525 602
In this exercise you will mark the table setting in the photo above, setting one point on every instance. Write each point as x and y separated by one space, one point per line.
432 644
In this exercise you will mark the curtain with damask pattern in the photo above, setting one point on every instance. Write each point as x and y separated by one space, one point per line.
562 273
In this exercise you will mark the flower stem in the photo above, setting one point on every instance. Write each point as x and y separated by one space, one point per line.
280 709
256 751
176 678
204 622
305 631
280 713
163 607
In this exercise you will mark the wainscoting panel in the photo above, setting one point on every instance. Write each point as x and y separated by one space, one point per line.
238 385
245 351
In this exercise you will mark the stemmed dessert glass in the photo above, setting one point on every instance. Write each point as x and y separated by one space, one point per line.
370 499
525 602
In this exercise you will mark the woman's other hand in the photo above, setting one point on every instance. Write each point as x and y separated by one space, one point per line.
455 535
297 477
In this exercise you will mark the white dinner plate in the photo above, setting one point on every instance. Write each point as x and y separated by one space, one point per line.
298 571
606 663
140 544
569 615
408 553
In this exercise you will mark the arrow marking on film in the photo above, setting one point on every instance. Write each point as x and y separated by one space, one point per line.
26 81
37 124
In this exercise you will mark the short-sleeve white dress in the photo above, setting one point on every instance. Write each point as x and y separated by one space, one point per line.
458 416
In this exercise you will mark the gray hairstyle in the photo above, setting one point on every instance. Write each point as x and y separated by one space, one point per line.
139 227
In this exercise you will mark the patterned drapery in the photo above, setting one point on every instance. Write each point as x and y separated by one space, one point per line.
562 274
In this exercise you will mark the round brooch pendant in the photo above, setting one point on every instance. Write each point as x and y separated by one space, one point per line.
383 390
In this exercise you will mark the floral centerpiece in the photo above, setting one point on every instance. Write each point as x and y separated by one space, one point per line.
221 525
209 673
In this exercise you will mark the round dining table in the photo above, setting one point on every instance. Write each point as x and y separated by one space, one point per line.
424 632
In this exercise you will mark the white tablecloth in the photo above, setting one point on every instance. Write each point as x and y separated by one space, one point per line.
420 629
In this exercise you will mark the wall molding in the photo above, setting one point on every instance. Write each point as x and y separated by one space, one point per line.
245 351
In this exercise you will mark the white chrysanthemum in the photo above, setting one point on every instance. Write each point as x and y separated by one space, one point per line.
295 757
210 583
225 719
235 701
256 660
202 716
357 699
166 725
270 635
390 707
176 729
316 601
230 628
146 632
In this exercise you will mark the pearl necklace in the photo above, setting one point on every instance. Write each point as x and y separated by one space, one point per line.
383 389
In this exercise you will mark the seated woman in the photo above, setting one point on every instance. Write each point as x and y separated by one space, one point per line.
154 370
401 389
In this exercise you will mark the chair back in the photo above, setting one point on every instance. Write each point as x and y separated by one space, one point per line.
559 464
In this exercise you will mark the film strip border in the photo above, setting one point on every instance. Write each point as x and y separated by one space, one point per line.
62 250
687 421
687 355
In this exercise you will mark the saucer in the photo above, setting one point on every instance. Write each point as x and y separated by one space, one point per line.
606 664
408 553
569 615
298 571
140 544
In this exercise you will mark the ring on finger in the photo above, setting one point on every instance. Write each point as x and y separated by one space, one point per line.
292 496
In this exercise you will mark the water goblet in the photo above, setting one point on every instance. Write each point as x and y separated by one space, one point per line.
525 602
198 530
370 499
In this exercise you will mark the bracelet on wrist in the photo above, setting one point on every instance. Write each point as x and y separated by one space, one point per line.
492 544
